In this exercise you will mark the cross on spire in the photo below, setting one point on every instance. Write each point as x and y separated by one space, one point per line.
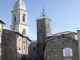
19 0
43 14
43 9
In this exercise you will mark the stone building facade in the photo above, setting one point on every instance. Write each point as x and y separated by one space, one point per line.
15 46
58 48
33 50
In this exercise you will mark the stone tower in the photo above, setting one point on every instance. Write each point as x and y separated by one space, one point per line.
43 31
20 18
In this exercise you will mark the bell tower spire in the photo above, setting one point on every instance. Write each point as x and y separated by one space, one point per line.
19 0
20 18
43 14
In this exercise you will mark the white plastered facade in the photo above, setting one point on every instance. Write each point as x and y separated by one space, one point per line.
1 28
19 11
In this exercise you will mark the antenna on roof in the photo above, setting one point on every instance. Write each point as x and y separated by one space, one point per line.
76 29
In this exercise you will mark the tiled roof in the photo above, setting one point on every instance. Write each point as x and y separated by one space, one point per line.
59 34
66 32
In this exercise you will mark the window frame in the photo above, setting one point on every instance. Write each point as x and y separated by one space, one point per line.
67 52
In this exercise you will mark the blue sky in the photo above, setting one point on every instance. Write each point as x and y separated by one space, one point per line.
65 14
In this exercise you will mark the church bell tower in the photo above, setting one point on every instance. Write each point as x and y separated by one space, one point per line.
43 27
20 18
43 31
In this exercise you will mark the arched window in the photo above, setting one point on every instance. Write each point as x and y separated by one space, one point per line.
40 26
14 18
24 32
67 52
24 46
23 17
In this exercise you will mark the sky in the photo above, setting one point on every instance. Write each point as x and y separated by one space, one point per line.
64 14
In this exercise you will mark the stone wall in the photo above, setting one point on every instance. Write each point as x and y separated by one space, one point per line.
33 50
0 53
28 48
73 35
43 31
15 46
54 48
8 45
22 47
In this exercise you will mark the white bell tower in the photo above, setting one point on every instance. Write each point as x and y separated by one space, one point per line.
20 18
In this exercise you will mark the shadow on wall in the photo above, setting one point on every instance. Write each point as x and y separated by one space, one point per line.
22 56
0 57
33 51
0 54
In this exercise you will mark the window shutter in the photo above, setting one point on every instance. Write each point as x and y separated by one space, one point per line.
67 52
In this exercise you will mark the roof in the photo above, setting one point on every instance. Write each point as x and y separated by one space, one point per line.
44 18
66 32
2 21
59 34
54 37
22 35
35 41
18 33
19 5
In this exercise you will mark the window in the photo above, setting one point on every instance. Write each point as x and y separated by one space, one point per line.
24 46
24 32
23 17
0 39
48 25
34 49
40 26
67 52
62 36
14 18
19 48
